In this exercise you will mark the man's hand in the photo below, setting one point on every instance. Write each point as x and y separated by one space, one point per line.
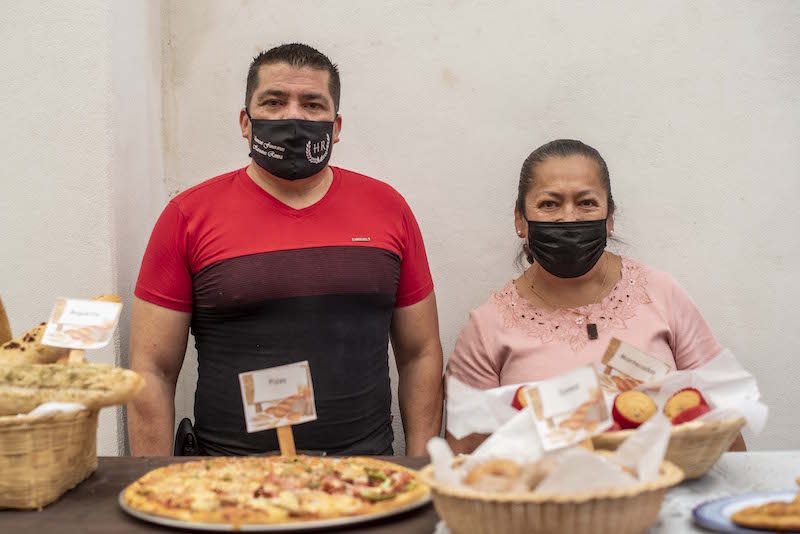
418 353
158 345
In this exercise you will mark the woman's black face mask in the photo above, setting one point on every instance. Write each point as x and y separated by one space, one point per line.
567 249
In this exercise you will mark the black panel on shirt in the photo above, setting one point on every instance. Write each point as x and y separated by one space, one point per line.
331 306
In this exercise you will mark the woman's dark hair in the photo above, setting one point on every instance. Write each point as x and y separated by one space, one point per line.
560 148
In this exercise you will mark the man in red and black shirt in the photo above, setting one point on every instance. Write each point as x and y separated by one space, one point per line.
288 259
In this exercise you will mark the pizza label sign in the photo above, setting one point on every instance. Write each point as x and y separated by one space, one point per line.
568 408
81 324
277 397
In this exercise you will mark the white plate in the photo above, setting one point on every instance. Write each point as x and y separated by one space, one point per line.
716 515
285 527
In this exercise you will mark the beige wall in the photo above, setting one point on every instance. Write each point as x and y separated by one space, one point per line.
81 147
56 145
109 108
693 104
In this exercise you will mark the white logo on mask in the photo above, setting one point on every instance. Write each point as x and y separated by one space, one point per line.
323 146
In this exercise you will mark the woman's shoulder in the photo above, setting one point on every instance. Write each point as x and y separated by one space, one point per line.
490 313
658 284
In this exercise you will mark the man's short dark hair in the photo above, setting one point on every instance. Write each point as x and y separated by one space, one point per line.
296 55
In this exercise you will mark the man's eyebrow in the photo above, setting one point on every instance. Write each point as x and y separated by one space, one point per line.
272 92
312 96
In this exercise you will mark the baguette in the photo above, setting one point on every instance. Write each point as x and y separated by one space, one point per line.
5 327
28 348
24 387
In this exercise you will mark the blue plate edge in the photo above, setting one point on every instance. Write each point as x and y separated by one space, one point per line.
717 526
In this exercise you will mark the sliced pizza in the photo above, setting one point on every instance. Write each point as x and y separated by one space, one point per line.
268 490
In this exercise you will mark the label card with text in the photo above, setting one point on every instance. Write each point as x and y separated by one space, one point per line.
626 367
278 396
568 408
81 324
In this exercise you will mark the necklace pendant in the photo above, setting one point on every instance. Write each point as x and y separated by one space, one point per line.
591 330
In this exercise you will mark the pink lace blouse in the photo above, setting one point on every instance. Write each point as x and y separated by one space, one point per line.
507 340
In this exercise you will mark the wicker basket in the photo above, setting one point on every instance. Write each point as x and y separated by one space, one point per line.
41 457
621 511
694 446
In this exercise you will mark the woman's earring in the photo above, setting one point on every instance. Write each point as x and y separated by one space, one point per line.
519 232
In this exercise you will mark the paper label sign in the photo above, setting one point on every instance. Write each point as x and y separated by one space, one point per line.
568 408
81 324
278 396
626 367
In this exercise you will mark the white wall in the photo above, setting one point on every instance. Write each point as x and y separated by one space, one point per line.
55 146
138 157
81 149
109 108
693 104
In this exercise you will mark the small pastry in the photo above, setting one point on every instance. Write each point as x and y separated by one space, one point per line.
632 408
683 400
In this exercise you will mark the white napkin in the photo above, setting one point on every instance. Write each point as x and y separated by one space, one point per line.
644 450
516 440
477 411
729 388
55 407
581 470
723 381
442 462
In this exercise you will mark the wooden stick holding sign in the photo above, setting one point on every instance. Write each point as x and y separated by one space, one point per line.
286 440
278 397
76 356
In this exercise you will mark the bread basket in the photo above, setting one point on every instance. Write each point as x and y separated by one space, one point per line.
694 446
614 511
41 457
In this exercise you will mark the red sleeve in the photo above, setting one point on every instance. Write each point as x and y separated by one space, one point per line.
165 278
415 276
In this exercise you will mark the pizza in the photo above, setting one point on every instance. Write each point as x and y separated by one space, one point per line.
273 490
24 387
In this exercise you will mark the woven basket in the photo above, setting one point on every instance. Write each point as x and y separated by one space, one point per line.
622 511
694 446
41 457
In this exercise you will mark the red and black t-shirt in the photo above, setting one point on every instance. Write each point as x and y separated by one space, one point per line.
269 285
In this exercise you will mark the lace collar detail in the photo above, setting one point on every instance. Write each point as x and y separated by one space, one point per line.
568 325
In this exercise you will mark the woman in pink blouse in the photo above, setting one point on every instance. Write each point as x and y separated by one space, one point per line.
575 296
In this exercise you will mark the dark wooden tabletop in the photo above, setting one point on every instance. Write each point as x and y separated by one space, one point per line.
92 506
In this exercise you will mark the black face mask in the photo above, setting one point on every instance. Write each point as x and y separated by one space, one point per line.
567 249
291 149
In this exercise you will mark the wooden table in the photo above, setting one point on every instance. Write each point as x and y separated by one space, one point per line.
92 506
